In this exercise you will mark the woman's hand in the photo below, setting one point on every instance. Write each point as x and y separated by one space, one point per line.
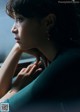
18 48
27 75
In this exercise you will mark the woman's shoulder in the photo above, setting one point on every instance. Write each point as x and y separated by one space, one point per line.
69 54
66 62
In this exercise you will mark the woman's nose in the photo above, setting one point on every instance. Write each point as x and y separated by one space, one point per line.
14 29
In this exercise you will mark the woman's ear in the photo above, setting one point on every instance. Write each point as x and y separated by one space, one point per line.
49 21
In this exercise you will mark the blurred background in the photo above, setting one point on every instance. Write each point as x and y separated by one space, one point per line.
6 38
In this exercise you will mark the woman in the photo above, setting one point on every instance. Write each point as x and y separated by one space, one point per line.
48 30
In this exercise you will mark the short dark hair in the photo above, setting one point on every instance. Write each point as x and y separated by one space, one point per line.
66 27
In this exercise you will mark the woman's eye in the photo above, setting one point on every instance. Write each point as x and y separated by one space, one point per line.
19 19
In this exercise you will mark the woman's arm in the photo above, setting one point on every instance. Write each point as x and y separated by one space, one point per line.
8 68
24 77
9 94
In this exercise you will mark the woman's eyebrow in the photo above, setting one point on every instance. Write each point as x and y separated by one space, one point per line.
19 15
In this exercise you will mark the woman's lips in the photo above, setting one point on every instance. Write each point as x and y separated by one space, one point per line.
17 39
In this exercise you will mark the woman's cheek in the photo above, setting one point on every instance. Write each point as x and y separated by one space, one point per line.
27 43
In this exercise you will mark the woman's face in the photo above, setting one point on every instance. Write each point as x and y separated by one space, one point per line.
27 32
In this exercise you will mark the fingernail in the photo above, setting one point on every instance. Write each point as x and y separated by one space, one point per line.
35 65
39 62
40 69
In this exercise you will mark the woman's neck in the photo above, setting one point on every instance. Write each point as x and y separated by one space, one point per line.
49 50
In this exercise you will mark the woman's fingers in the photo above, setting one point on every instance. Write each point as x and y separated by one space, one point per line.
27 75
30 77
25 70
37 72
31 70
22 71
34 68
29 67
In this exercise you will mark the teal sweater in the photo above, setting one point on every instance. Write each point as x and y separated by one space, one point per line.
59 81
